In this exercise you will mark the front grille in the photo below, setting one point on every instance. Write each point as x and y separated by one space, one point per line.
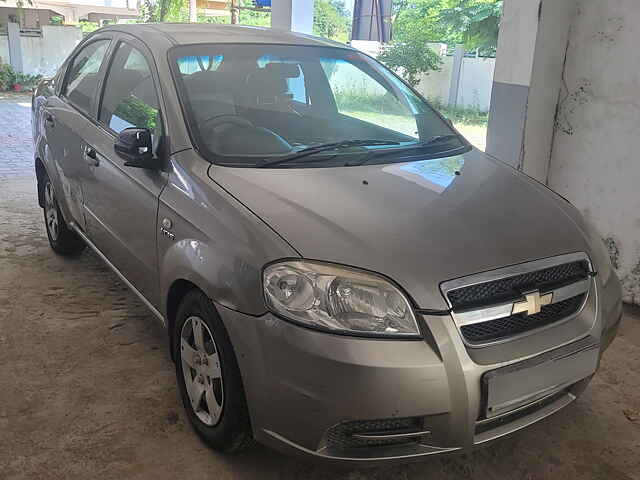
341 435
515 324
507 289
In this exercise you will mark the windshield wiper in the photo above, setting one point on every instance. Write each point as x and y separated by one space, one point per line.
439 138
324 147
427 143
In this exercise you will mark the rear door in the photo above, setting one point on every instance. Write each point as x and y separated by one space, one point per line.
66 118
120 202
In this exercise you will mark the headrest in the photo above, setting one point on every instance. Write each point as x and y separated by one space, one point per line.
207 82
266 82
283 70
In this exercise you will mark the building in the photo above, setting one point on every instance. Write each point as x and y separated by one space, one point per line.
39 13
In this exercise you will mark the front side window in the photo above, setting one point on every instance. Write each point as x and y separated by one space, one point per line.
253 105
130 98
82 75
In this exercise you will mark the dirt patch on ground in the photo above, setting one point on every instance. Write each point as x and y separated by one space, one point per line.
87 388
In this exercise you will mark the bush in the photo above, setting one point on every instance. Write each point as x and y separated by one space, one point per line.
7 76
87 27
28 82
411 59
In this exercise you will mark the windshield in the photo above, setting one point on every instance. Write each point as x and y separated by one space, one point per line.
248 105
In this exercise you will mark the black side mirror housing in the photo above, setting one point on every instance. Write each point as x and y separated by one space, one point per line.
135 145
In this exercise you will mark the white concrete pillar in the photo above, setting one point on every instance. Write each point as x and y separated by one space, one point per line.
456 71
15 47
294 15
527 80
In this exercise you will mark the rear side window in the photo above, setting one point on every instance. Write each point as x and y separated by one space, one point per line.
130 98
82 76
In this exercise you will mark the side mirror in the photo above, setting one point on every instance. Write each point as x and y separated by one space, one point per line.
136 147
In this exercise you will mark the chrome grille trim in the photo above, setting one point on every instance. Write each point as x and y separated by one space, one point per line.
511 271
474 316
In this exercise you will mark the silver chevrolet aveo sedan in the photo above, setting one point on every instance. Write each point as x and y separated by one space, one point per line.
341 274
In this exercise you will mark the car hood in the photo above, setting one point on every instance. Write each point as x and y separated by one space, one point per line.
419 223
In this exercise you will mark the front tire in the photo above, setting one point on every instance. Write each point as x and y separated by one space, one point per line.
62 239
208 376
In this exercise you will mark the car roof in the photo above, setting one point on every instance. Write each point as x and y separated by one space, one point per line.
193 33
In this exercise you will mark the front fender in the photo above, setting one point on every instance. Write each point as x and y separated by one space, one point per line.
230 282
213 241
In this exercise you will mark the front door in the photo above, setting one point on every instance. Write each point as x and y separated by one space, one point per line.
66 119
120 202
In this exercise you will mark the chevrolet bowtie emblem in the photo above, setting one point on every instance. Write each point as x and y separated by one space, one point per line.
533 303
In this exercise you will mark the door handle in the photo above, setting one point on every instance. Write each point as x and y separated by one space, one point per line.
91 156
48 118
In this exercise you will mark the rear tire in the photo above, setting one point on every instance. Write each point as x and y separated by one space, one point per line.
208 376
62 239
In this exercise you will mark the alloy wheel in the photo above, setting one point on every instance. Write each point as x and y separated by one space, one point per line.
51 212
201 370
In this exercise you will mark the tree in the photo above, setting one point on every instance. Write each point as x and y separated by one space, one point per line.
410 59
474 23
415 24
477 22
152 11
419 19
331 20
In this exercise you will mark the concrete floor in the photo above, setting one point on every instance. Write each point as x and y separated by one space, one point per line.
87 388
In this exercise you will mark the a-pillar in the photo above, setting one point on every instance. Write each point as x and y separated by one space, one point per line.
294 15
528 76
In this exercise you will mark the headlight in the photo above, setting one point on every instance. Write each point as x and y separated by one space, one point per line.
338 299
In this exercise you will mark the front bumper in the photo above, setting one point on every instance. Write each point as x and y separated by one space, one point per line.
302 385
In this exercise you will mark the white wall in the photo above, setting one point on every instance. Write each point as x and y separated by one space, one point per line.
4 48
476 80
595 161
435 85
43 55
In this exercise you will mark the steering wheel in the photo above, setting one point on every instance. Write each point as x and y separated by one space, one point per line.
227 118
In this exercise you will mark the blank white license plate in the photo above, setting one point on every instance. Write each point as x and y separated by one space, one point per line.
520 384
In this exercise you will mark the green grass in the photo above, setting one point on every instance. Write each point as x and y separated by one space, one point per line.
464 116
399 123
473 130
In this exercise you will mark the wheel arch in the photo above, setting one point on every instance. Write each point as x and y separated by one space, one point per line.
177 291
41 173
